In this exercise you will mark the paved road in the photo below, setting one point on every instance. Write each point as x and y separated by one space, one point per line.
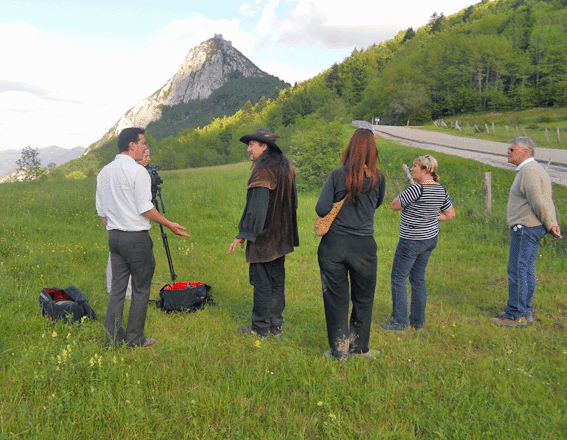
492 153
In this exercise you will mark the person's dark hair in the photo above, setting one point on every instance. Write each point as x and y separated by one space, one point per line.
272 157
359 160
128 135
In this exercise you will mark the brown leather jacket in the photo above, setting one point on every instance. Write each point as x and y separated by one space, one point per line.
280 234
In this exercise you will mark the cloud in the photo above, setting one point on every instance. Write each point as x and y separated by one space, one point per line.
246 10
295 23
13 86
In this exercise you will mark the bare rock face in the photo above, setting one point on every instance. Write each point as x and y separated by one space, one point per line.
207 68
14 176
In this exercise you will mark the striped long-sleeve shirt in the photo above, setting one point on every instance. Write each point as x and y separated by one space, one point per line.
421 205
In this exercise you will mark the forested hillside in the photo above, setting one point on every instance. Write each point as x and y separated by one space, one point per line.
500 55
226 100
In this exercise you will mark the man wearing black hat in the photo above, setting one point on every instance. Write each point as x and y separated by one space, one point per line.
269 225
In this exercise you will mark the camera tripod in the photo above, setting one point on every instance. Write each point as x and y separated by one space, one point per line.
156 193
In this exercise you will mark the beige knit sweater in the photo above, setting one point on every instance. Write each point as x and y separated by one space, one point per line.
530 202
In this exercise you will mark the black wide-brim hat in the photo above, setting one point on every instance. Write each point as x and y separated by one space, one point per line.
264 136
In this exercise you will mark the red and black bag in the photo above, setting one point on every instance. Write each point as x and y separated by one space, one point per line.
65 304
184 297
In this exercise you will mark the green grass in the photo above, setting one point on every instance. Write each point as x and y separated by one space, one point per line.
462 377
540 124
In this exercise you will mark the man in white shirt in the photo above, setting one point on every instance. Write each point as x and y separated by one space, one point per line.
144 162
124 204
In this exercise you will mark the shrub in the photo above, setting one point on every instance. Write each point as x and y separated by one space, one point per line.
546 119
315 150
76 175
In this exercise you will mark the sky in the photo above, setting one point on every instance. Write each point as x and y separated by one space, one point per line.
70 69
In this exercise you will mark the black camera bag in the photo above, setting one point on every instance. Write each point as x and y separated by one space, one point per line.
65 304
184 297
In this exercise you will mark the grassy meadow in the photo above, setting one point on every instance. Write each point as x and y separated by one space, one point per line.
460 378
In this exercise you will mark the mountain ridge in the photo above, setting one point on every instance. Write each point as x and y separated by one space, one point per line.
47 155
207 67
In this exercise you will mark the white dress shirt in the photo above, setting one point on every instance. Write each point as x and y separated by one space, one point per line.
123 194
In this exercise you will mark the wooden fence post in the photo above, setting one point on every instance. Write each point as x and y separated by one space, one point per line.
488 192
546 135
558 135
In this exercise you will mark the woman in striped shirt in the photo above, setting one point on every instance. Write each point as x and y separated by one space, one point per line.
423 205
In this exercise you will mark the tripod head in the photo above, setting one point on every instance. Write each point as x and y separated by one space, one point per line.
156 181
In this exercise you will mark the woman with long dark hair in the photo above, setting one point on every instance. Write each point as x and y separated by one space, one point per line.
348 250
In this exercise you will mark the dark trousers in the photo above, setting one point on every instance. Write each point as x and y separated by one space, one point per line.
131 254
268 280
344 257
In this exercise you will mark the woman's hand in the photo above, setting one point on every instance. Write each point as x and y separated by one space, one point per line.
396 205
447 215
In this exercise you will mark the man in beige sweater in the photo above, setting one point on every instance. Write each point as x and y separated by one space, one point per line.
531 214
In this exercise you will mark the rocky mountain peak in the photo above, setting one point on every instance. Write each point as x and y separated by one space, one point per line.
208 66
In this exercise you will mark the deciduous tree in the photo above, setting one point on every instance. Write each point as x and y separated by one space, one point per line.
30 164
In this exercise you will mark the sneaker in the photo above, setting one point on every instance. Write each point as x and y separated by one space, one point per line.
529 317
247 330
147 343
341 359
393 326
505 321
276 332
417 327
370 354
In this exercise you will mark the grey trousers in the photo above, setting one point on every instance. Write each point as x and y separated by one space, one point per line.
131 254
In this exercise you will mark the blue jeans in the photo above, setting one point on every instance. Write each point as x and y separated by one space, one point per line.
410 261
524 245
